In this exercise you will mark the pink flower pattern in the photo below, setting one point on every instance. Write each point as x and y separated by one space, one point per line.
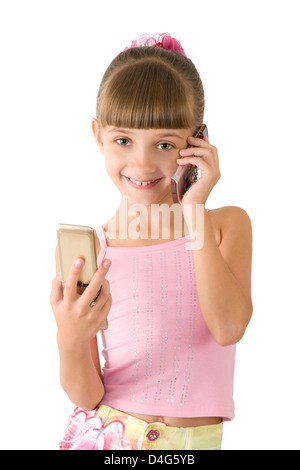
86 431
163 40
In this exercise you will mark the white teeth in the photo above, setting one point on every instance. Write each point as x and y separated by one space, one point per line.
139 183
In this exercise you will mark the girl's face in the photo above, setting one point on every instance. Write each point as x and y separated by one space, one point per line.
145 155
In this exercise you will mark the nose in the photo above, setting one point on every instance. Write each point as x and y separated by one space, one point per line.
143 161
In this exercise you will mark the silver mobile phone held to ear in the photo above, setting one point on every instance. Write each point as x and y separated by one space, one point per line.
77 241
185 176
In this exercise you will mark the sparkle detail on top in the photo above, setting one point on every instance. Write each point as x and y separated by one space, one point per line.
159 356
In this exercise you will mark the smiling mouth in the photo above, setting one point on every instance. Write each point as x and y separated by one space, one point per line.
142 183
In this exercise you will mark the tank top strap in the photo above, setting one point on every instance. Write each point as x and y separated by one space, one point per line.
103 244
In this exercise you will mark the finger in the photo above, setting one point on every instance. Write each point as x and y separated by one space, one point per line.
195 151
198 162
206 154
70 292
96 282
102 321
96 301
56 294
192 160
197 142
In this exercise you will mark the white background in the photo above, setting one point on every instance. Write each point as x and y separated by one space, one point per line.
53 55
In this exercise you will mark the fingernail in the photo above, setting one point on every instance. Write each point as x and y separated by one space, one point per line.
107 263
79 263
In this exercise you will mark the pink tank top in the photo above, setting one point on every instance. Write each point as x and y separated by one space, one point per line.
160 357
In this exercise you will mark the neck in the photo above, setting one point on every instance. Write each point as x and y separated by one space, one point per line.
153 221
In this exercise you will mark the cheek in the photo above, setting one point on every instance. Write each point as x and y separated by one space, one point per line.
113 168
173 166
168 163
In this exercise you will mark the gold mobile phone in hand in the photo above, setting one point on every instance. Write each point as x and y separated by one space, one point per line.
77 241
185 176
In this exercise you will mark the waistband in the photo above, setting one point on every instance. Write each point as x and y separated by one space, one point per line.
106 428
142 435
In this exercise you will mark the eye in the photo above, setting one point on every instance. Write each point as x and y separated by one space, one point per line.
123 142
165 146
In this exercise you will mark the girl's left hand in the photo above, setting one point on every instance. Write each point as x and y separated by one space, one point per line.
205 156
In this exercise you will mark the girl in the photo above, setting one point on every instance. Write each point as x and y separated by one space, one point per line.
175 310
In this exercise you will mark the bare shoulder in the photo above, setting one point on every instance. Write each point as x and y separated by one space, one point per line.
230 221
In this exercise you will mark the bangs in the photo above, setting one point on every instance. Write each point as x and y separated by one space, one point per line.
145 95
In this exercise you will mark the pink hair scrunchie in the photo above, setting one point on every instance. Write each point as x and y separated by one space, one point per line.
163 40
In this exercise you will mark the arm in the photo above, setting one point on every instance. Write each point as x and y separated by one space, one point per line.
78 325
223 273
79 377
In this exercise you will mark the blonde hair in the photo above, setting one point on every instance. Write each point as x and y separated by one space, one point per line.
150 87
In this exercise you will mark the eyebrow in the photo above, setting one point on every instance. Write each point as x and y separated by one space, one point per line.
161 135
118 129
170 134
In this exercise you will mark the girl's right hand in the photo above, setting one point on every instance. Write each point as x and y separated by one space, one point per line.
77 322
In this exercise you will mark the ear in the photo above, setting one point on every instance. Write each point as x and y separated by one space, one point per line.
97 134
